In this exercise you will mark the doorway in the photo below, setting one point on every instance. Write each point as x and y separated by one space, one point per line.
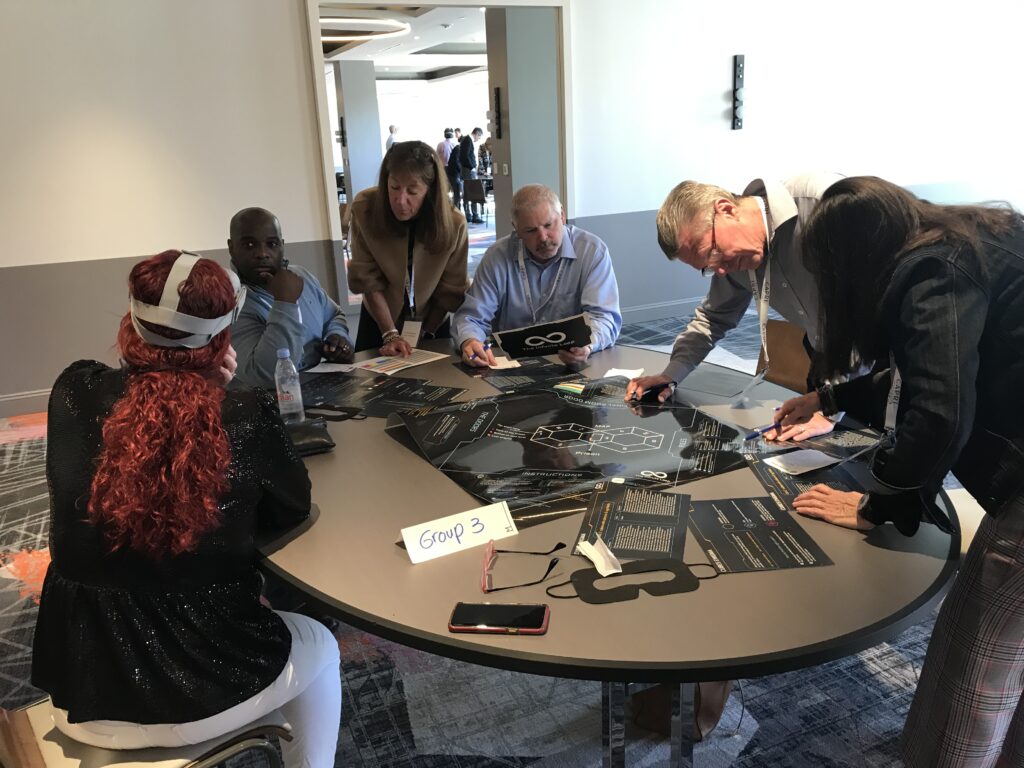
498 67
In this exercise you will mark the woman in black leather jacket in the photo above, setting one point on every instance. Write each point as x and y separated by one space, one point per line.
934 297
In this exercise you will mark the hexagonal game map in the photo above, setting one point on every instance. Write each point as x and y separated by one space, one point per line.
620 439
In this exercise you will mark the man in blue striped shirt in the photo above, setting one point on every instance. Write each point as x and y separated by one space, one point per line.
546 270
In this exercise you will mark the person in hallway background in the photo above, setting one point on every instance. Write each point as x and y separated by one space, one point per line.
750 244
392 137
150 629
445 151
285 305
410 250
933 295
445 147
467 169
546 270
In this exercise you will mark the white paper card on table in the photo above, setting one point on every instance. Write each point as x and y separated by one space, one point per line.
501 363
330 368
599 554
454 533
389 365
411 332
798 462
634 373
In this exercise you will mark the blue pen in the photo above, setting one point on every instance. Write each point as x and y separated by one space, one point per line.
756 434
487 346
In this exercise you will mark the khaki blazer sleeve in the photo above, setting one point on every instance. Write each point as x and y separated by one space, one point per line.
451 288
364 273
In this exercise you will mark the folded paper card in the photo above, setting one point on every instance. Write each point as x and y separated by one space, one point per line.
454 533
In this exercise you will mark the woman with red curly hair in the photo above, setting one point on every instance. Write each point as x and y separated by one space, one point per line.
150 628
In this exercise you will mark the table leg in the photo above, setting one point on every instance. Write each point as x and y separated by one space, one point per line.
682 725
613 724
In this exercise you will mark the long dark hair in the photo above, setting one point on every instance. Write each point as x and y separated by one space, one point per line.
435 223
163 465
855 238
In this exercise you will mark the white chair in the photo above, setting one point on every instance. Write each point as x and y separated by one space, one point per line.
28 739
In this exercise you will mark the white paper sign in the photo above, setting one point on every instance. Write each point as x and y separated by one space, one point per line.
455 533
798 462
629 373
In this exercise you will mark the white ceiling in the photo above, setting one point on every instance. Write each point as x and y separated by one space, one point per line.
452 27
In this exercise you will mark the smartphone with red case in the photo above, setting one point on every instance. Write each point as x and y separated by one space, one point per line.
500 618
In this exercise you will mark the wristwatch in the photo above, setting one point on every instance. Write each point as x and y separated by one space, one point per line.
827 398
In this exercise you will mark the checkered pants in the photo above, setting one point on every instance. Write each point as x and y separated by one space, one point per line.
967 709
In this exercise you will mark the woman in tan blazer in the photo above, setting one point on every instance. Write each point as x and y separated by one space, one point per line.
409 250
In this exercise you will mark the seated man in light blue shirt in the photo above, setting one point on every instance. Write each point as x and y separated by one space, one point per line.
285 306
546 270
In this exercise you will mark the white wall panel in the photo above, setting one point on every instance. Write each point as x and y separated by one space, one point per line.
922 93
132 126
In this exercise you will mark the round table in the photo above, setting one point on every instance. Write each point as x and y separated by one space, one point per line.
738 625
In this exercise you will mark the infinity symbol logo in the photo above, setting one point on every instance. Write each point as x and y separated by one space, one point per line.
656 475
535 341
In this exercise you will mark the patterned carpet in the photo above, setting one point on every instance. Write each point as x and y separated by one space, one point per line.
404 708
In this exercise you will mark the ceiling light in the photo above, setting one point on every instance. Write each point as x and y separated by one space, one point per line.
415 37
379 29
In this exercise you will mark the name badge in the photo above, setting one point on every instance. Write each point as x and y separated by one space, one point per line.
428 541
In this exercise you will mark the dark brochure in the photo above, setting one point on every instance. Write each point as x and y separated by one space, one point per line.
373 395
739 535
544 338
784 487
636 523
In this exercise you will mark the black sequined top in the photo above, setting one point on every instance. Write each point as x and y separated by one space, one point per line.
121 636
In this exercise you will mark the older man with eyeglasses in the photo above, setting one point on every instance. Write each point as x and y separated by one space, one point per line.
750 245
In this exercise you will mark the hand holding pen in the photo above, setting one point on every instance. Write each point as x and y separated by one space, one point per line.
763 431
477 353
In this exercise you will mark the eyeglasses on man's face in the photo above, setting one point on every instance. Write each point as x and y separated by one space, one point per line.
713 256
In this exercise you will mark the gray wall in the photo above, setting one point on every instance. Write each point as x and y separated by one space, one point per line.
58 313
650 286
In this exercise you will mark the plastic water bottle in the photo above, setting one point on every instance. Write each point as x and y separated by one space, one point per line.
289 390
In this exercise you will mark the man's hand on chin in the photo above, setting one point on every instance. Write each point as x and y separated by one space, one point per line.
284 285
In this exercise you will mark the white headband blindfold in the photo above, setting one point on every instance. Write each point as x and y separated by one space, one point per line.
201 329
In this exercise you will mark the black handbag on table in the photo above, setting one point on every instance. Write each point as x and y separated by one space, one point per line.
310 437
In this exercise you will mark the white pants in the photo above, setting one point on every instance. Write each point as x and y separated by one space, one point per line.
308 693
